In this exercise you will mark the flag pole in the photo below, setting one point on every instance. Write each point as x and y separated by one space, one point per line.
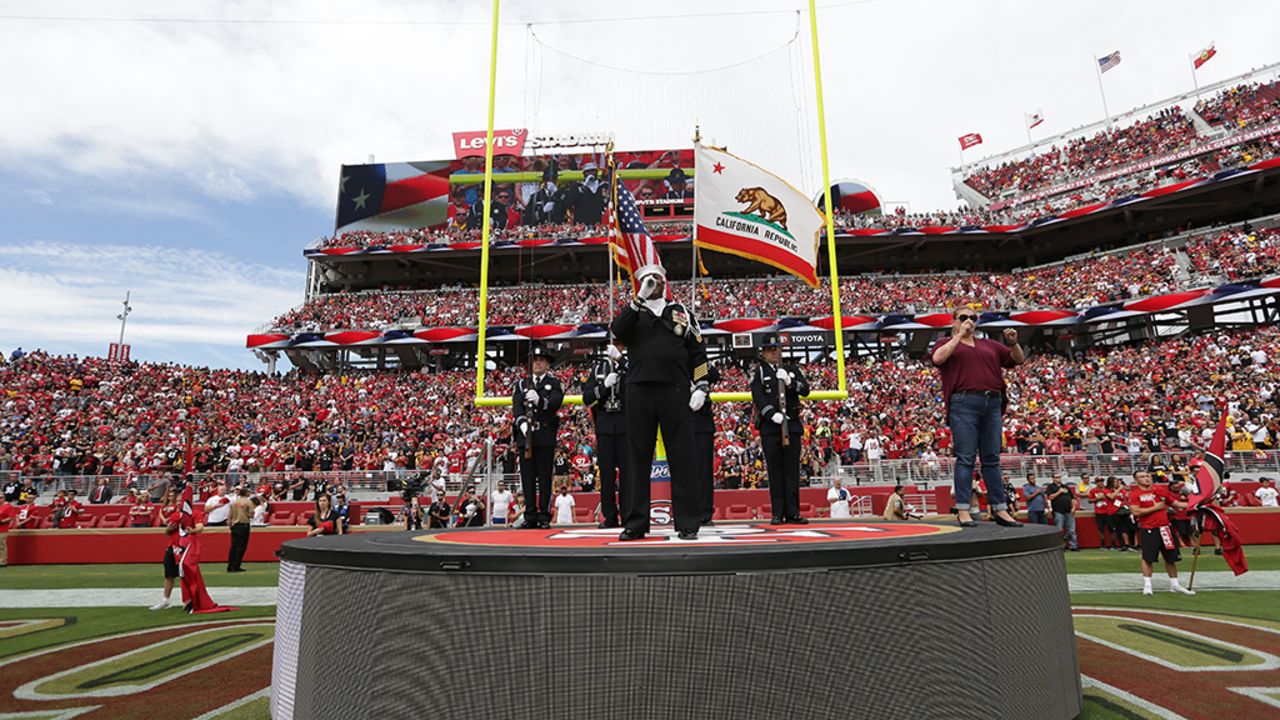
1027 124
488 199
1195 81
1097 68
837 320
693 239
1195 557
611 164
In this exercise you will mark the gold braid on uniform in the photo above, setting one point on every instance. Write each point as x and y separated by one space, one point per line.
700 372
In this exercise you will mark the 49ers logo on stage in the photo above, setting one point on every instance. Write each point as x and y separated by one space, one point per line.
713 536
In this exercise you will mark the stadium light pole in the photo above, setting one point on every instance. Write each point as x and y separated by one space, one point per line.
123 317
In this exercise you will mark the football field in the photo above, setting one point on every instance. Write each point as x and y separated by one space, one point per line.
78 641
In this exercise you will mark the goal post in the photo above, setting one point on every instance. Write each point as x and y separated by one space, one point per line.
487 179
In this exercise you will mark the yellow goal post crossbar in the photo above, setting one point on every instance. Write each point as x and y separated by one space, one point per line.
481 400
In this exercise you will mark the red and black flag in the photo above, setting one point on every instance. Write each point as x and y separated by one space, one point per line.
1203 490
1208 478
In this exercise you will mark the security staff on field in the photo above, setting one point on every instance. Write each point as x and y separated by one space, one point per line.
776 390
535 403
666 384
704 450
603 393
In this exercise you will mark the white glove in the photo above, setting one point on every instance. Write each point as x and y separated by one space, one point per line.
648 287
547 207
783 376
524 428
697 399
531 396
611 379
778 418
613 352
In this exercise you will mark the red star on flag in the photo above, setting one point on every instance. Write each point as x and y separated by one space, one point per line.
718 169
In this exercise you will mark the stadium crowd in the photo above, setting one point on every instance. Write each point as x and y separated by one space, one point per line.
63 415
1235 254
1159 134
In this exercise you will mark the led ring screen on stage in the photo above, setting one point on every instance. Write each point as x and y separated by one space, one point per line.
958 637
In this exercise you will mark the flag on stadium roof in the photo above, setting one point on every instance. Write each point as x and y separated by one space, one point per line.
1035 118
745 210
968 140
393 196
1108 62
1204 56
633 247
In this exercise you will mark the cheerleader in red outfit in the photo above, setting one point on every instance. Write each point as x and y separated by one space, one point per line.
195 597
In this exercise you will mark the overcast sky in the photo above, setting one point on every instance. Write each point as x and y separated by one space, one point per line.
190 161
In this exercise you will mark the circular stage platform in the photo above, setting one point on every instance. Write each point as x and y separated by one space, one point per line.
834 619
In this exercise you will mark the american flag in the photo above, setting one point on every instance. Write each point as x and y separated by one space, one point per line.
1108 62
632 246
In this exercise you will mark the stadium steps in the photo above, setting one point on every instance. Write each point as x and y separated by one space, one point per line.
1203 128
1184 270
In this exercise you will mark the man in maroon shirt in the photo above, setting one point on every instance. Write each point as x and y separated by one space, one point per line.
973 394
1150 504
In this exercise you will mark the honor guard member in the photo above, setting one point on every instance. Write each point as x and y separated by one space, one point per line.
666 383
536 403
776 390
704 450
603 393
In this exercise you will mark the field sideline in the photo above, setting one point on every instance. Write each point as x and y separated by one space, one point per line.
128 662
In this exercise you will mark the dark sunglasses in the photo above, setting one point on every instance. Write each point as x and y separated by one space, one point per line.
962 318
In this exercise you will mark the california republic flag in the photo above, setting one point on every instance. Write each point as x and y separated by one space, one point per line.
744 210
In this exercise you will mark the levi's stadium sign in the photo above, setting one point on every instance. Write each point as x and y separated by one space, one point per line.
505 142
513 142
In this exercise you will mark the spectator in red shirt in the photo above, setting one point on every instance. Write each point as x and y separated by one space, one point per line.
1150 504
141 513
1103 510
8 514
67 513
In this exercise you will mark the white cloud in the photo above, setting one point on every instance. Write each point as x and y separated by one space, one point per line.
240 110
195 306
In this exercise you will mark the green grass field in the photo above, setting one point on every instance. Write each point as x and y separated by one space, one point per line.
142 575
52 577
36 640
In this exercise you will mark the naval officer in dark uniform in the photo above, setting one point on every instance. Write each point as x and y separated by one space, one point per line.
776 390
666 384
535 403
704 450
603 393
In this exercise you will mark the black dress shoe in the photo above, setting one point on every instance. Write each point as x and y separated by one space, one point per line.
687 534
606 524
1005 523
544 525
708 523
775 520
797 520
629 534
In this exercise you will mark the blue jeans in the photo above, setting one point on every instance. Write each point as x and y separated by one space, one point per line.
977 432
1036 517
1066 522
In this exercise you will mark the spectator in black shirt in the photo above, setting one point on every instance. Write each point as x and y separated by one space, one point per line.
438 514
1063 501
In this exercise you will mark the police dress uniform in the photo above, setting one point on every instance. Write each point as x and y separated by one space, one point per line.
782 463
608 411
544 422
704 450
665 353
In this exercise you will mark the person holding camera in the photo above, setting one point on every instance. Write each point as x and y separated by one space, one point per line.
603 393
666 384
536 403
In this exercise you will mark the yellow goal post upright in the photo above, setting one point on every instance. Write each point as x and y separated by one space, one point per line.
481 400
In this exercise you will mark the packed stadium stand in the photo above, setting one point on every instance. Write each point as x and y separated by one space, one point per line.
1144 291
